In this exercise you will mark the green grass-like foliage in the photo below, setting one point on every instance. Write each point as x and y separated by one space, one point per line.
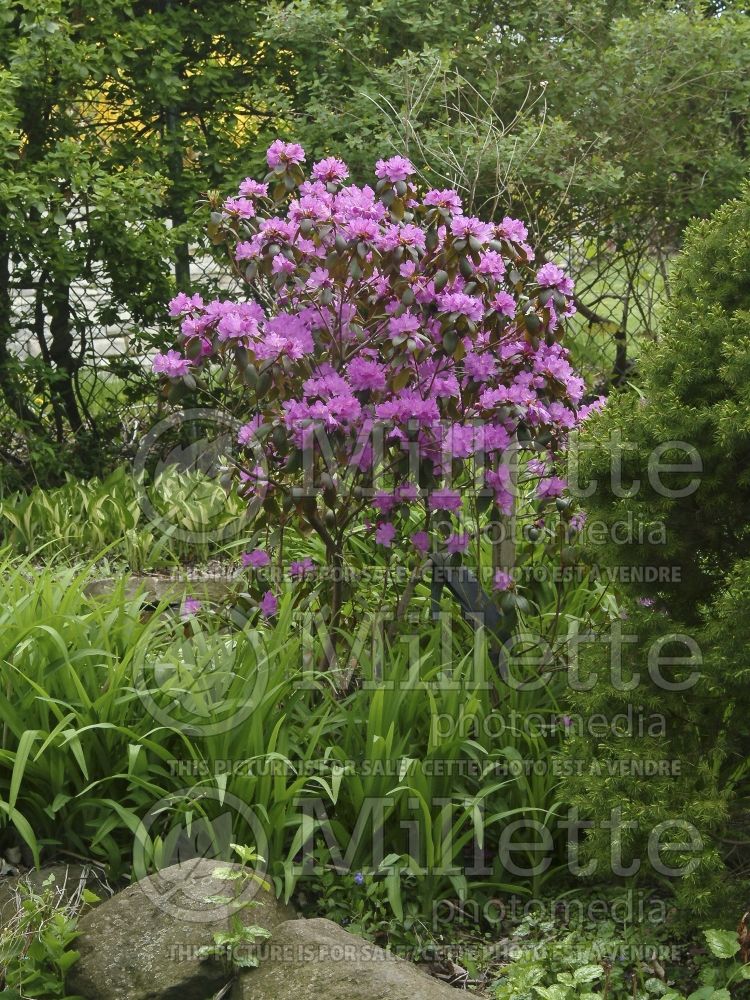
103 704
182 517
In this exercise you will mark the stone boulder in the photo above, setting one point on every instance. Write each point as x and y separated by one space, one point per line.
143 943
318 959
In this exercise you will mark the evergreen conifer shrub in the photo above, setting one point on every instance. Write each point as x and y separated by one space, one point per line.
666 743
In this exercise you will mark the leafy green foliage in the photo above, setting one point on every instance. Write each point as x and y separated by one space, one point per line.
235 947
35 944
70 211
380 905
117 518
717 980
622 962
692 410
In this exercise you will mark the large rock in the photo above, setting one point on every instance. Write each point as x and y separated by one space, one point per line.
318 959
143 943
67 887
156 588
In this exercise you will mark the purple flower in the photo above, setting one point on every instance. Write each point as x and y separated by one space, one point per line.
255 559
400 328
398 168
578 520
250 188
311 206
566 721
646 602
300 569
459 302
448 199
269 605
552 276
505 304
183 303
365 374
190 606
330 170
464 227
445 500
552 487
480 366
359 878
407 235
421 541
491 263
457 543
384 502
385 533
237 325
171 364
362 229
585 412
240 206
247 432
282 265
502 580
513 229
284 152
407 492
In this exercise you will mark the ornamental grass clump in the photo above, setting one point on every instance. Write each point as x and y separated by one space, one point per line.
396 356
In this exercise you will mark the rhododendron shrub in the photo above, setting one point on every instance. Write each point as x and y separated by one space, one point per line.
393 355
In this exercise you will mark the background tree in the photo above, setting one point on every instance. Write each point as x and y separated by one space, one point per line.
69 211
607 126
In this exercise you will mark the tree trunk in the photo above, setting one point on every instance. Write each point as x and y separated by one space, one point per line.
60 352
9 383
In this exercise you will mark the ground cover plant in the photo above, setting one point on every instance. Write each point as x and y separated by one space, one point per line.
111 519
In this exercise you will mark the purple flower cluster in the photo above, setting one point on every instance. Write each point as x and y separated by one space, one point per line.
172 364
393 317
398 168
280 153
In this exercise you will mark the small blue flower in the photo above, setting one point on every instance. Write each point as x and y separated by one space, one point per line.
359 878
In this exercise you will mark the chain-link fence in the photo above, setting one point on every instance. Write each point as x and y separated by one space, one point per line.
98 336
79 363
620 296
95 375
